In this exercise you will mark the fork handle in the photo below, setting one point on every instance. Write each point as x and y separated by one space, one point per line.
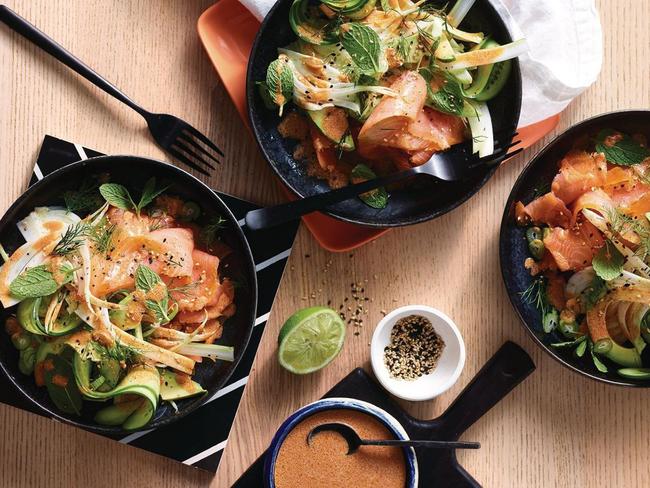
47 44
264 218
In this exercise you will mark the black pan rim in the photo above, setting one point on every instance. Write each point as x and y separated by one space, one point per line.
250 93
505 223
8 218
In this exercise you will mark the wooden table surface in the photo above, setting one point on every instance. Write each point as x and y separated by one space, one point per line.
556 429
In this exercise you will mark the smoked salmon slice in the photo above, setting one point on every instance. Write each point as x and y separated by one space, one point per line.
394 113
579 173
573 249
193 293
549 209
167 251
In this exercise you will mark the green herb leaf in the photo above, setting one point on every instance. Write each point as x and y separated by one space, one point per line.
620 148
536 295
86 199
363 45
117 195
449 98
594 292
61 385
279 82
608 262
146 278
33 283
582 347
377 198
600 366
149 193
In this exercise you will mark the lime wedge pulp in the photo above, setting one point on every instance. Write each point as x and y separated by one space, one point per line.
310 339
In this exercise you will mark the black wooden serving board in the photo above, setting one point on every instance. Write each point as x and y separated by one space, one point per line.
509 366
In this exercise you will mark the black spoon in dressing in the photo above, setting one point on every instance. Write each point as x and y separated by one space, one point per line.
354 441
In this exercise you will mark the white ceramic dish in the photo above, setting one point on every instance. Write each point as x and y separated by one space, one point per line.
450 364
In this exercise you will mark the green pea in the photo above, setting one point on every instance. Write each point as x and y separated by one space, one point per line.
27 360
191 211
536 249
20 341
569 329
550 320
533 234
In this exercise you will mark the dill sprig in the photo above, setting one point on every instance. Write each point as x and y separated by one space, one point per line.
118 351
102 235
211 230
622 224
535 295
72 239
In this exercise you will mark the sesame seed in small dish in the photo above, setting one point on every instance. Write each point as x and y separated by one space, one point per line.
417 352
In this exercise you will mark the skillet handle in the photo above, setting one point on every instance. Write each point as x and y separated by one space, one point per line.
503 372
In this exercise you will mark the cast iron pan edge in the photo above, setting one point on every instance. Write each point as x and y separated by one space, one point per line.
238 330
417 206
512 248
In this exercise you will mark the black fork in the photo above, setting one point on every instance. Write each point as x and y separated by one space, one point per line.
174 135
452 165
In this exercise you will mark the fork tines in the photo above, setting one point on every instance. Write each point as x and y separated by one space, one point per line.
195 150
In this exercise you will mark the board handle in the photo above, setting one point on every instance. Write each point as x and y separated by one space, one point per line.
509 366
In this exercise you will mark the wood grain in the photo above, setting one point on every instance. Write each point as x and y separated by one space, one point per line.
557 429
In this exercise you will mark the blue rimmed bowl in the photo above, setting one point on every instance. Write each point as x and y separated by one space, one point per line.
340 404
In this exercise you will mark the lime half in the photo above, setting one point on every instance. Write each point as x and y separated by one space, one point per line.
310 339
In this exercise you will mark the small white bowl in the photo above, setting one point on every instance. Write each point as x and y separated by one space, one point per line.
450 364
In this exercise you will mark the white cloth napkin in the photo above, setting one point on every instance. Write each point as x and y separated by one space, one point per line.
565 54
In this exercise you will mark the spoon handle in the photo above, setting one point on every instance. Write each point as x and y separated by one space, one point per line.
425 444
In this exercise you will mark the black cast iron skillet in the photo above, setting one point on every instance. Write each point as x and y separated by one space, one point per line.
133 172
426 198
513 248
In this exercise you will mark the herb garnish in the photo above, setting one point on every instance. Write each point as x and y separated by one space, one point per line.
146 279
620 148
118 351
363 45
86 199
608 262
278 88
38 282
118 196
210 231
377 198
72 239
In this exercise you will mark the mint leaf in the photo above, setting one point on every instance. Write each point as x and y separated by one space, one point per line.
363 45
279 82
377 198
149 193
608 262
146 278
620 148
117 195
33 283
449 98
582 347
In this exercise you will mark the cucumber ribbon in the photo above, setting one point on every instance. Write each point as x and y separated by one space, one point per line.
141 380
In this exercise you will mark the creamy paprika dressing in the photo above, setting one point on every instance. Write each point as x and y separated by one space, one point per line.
325 462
